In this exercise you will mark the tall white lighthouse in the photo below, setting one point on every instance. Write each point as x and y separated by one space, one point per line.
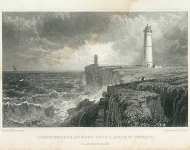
148 60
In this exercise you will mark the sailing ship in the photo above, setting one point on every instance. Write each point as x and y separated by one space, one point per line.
14 68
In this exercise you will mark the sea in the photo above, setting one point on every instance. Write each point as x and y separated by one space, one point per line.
42 99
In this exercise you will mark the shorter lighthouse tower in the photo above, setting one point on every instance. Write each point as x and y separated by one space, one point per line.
148 60
96 59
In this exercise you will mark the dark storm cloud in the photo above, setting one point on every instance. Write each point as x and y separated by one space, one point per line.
23 32
51 30
42 40
171 48
75 24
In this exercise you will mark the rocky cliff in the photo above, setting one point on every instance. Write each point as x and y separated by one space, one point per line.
158 99
148 103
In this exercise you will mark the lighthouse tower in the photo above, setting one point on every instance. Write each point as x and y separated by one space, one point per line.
148 60
96 59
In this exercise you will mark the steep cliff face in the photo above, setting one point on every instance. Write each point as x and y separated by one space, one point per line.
143 97
134 108
92 74
84 115
148 103
174 100
163 103
98 76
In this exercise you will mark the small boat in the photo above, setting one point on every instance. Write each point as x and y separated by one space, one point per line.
14 68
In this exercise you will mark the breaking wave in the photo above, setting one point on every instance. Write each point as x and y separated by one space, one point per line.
42 99
26 113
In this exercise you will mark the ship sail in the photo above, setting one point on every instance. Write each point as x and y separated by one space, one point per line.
14 68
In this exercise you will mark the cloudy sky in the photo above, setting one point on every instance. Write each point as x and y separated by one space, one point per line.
67 41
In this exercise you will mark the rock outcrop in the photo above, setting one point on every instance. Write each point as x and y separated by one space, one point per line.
84 115
135 96
148 103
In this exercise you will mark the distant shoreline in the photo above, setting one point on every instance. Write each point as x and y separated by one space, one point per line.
41 71
77 71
